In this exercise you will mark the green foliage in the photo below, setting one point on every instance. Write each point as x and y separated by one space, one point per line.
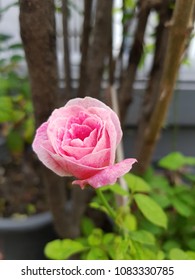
156 223
63 249
16 110
151 210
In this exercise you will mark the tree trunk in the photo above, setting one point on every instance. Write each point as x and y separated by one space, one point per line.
180 27
85 47
37 24
67 68
128 78
151 95
99 48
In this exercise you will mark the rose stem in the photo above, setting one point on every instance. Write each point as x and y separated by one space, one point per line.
110 210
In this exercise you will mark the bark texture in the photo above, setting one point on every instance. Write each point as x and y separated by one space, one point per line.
99 48
136 51
180 29
37 24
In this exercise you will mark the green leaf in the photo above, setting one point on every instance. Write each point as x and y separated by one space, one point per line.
116 188
63 249
29 129
4 37
16 58
5 109
143 237
95 238
97 206
136 184
87 226
97 253
129 222
16 46
173 161
15 142
178 254
191 244
182 208
151 210
162 199
18 115
191 255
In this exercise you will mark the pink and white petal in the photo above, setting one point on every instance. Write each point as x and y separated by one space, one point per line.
74 167
107 176
86 103
65 112
91 140
76 152
109 116
40 142
96 160
89 102
103 142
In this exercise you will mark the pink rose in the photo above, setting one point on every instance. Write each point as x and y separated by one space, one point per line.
80 140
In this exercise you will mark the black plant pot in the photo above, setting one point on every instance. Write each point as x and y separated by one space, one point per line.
24 239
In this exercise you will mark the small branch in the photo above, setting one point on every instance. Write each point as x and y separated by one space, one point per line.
98 50
67 67
180 29
112 97
126 89
85 46
110 210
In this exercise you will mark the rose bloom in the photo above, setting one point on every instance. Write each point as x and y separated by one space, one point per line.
80 140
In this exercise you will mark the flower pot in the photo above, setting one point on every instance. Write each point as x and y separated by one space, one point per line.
25 238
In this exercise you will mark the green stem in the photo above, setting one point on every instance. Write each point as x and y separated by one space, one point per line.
105 203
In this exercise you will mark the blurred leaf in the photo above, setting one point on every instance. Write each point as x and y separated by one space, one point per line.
29 129
129 222
151 210
136 184
63 249
172 161
170 244
4 37
18 115
97 206
191 243
116 188
162 199
191 255
87 226
178 254
95 238
143 237
15 142
6 108
96 253
182 208
16 58
15 46
108 238
175 161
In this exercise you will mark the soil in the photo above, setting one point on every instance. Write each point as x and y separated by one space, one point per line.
21 190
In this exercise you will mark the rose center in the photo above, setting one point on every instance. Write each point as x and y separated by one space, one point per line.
79 131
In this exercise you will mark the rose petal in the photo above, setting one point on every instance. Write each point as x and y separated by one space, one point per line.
89 103
109 175
96 160
41 146
74 167
76 152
